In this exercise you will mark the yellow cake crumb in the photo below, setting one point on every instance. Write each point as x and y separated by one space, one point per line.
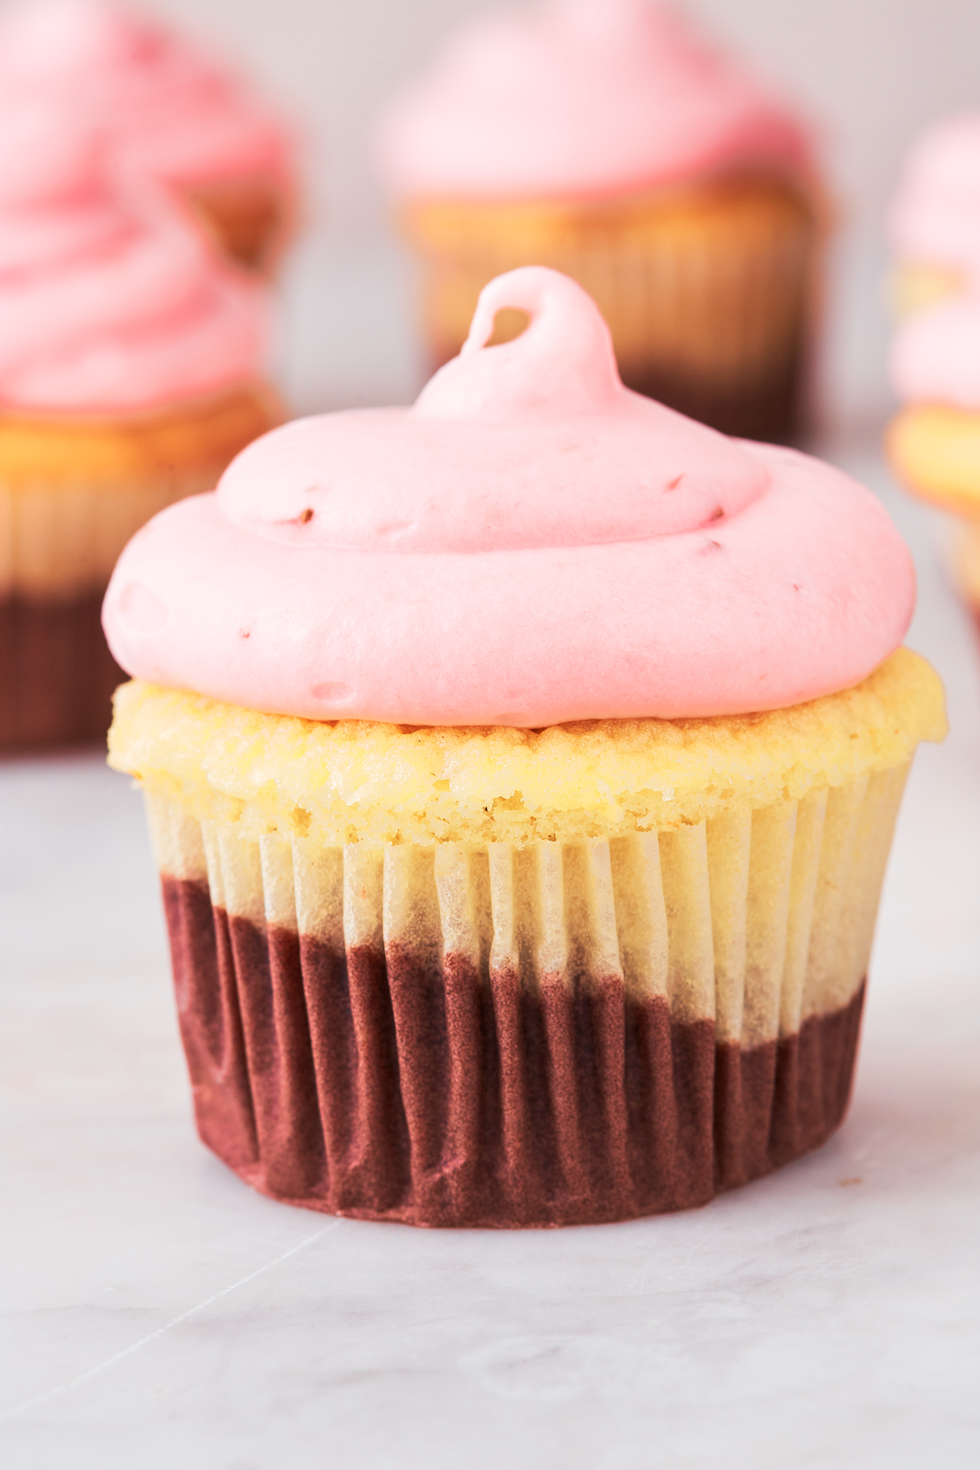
359 781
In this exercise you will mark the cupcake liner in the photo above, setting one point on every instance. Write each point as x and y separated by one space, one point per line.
61 537
707 294
58 546
72 495
524 1036
59 541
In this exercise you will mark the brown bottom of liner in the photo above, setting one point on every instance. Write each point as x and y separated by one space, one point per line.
768 412
367 1085
56 672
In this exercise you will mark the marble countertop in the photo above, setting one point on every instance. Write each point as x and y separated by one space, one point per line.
156 1313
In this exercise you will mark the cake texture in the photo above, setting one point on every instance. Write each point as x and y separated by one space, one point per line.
469 928
604 139
167 111
130 362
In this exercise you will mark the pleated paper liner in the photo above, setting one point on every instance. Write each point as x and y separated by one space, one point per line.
707 290
72 493
536 1036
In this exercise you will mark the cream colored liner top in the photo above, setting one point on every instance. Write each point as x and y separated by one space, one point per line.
59 538
707 279
756 920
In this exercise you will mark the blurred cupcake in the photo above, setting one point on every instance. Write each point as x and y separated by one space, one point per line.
130 374
170 111
934 366
521 768
933 443
605 139
934 221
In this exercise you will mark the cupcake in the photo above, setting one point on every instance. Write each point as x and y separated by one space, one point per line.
933 442
605 139
171 112
521 770
130 375
934 368
934 221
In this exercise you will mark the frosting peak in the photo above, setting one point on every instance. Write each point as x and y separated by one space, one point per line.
554 394
563 361
534 443
579 99
530 543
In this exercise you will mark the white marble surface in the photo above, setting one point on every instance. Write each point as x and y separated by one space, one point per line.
156 1313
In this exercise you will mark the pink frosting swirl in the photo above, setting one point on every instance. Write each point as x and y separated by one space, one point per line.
170 111
531 543
579 98
935 216
111 298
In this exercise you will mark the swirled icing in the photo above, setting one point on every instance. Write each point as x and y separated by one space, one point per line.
170 111
531 543
579 98
934 218
110 297
935 354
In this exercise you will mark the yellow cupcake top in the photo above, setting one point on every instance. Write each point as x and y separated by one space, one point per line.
358 781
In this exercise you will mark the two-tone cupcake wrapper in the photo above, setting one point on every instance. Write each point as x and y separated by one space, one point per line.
508 1036
59 540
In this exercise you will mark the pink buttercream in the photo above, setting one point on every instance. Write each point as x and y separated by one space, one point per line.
531 543
935 354
111 298
579 98
935 216
170 111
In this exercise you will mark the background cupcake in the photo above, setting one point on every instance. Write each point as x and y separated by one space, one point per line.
168 110
440 955
602 137
131 361
934 219
934 441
